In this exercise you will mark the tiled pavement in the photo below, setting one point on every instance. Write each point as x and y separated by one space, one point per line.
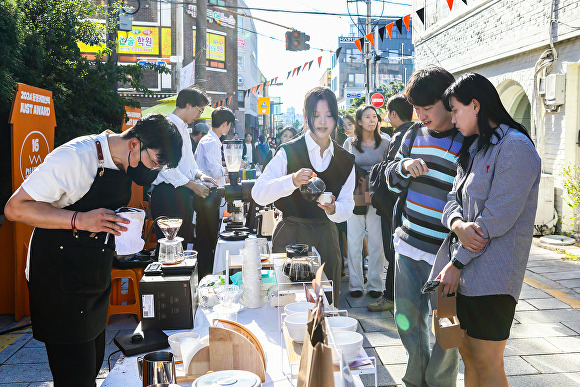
543 350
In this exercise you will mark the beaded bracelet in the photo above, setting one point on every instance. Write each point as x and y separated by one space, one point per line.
73 224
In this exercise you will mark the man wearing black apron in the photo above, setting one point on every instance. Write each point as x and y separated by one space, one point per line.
311 154
78 187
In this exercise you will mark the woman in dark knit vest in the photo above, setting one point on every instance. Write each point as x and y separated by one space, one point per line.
313 153
491 209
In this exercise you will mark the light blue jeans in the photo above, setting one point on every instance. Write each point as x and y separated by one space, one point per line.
425 367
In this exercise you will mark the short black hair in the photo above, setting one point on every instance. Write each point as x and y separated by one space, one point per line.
220 115
192 96
311 100
399 104
159 134
426 86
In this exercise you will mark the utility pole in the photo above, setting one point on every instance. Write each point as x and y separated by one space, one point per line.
368 55
179 44
200 44
112 22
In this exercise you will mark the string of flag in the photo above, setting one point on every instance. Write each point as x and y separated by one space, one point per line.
399 23
405 20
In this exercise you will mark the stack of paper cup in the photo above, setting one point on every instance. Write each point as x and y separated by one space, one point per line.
252 274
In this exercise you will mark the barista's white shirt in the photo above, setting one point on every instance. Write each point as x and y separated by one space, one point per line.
187 168
209 157
275 182
67 173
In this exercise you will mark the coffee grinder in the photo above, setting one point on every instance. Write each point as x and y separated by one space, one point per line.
170 247
236 192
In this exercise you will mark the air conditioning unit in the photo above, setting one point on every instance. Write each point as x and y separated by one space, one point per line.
545 212
555 88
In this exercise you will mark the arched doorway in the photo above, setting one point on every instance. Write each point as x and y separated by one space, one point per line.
516 102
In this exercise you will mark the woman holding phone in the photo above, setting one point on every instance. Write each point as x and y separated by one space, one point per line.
491 210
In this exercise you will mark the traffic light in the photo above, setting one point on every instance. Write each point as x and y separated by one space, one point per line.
293 40
303 39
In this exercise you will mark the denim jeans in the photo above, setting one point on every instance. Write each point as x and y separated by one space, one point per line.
425 367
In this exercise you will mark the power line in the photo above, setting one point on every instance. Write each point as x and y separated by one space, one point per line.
279 10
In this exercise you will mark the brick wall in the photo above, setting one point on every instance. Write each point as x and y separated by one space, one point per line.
502 40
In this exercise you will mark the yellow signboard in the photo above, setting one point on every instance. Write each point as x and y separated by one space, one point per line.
264 105
215 46
140 40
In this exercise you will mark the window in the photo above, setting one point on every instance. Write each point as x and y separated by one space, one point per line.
240 63
359 80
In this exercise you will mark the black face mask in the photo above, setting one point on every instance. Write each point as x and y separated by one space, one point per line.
141 175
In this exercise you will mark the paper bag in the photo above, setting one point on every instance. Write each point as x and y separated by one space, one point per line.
446 326
316 369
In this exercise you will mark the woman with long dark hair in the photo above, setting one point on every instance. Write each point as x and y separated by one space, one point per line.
313 153
491 210
369 147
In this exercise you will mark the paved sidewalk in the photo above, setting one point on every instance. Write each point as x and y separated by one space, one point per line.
544 348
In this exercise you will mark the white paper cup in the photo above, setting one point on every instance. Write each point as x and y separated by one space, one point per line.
325 198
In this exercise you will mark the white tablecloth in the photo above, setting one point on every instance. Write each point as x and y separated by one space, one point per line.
219 259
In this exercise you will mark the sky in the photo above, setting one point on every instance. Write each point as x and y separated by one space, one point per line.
275 61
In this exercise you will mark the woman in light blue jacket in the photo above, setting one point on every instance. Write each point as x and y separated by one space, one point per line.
491 210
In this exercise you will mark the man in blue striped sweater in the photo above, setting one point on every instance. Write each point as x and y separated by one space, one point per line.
426 169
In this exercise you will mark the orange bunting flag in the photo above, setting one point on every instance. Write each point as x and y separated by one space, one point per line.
305 64
450 4
390 30
294 71
358 44
407 21
371 38
230 99
275 80
319 61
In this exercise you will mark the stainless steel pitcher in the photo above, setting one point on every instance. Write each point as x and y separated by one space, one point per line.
157 367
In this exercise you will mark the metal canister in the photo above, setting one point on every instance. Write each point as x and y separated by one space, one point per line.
233 378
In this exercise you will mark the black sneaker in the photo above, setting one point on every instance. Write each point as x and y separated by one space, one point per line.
356 293
375 294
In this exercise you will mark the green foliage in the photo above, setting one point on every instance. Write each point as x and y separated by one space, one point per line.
392 88
571 175
40 39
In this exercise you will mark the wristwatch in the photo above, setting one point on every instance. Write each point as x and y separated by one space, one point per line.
457 264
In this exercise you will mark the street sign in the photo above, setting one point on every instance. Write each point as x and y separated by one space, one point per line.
264 105
353 95
377 100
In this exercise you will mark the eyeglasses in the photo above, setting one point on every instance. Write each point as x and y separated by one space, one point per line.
154 166
200 110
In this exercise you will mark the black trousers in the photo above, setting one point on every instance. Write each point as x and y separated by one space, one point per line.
386 229
206 231
76 365
173 202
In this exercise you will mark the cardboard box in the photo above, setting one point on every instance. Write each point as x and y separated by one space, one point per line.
445 325
168 302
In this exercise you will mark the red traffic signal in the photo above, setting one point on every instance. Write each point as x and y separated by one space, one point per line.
296 41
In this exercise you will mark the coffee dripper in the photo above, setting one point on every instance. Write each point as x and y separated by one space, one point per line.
170 247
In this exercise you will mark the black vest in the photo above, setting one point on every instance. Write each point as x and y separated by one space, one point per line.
334 177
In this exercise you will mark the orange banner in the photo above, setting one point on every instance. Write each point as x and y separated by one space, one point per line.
33 121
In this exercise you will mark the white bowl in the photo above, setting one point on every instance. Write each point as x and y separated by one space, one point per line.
298 307
296 326
349 342
342 323
175 342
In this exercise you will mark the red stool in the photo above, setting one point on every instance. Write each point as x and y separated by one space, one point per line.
131 298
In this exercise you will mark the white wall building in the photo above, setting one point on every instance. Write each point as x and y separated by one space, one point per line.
507 41
248 73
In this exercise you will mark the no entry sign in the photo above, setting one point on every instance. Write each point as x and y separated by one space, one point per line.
377 100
